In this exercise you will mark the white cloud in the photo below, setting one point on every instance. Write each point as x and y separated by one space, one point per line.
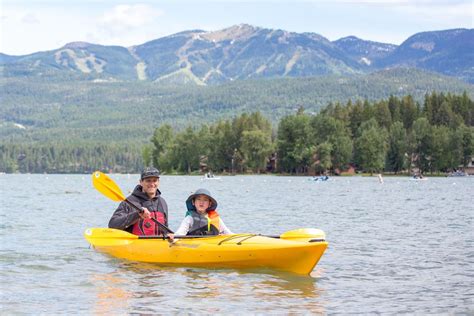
444 13
30 18
32 29
129 16
440 11
126 25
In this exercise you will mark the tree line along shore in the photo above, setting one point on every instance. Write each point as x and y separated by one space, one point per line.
394 135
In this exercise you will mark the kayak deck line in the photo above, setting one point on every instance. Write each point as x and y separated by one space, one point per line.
248 236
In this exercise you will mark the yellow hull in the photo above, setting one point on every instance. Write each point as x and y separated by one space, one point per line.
293 254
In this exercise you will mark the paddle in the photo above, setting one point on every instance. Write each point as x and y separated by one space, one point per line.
312 234
108 235
121 236
105 185
300 234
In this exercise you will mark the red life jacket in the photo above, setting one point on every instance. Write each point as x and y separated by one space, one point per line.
147 227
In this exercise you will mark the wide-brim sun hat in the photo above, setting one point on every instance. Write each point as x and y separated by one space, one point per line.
189 201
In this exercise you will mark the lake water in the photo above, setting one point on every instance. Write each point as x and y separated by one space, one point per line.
398 247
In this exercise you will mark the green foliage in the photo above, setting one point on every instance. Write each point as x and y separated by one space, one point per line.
186 151
162 140
382 114
422 143
396 134
147 154
467 143
224 154
370 146
294 144
256 147
239 144
409 111
397 148
324 161
103 112
333 132
65 158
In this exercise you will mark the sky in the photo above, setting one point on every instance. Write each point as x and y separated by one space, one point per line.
29 26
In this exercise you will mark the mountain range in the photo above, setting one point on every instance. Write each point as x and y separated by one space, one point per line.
246 52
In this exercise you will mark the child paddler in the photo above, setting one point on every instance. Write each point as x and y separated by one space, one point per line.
201 217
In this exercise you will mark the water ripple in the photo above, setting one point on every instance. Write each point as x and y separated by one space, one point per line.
397 248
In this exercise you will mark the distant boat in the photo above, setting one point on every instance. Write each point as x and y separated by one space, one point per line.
418 178
319 178
458 173
210 176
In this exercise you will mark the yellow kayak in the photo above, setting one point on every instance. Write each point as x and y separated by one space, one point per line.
296 251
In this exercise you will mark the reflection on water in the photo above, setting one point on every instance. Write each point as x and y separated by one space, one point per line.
112 295
136 287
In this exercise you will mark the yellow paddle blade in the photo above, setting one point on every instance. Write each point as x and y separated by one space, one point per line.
304 233
107 186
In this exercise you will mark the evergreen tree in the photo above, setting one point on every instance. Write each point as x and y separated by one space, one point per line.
162 140
323 158
422 144
382 114
370 146
467 144
356 118
394 107
256 148
397 148
293 144
408 111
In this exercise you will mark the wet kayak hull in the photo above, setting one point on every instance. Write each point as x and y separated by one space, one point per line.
296 255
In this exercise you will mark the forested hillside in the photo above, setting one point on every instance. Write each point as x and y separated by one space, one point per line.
84 112
393 134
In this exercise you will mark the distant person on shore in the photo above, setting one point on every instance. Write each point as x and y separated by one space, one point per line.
154 208
201 217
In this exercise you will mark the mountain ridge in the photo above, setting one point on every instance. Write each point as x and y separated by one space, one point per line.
243 52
